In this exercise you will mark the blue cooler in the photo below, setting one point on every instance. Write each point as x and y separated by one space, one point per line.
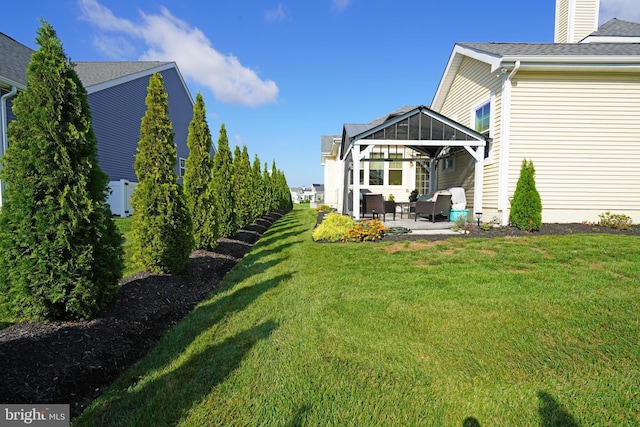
454 214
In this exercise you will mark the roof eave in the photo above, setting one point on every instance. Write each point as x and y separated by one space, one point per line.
4 81
455 60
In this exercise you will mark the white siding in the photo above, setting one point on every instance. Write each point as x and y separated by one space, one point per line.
575 19
562 21
586 19
583 135
473 84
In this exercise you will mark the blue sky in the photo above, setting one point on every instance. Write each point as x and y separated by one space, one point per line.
279 74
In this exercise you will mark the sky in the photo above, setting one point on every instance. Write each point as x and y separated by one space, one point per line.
280 74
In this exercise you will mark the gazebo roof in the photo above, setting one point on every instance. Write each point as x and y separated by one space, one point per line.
418 128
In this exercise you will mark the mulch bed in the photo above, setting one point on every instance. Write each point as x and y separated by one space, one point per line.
470 231
70 362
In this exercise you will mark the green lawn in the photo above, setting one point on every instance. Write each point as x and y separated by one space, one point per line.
522 331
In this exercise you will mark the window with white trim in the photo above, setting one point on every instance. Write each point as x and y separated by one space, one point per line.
395 170
483 125
376 169
183 166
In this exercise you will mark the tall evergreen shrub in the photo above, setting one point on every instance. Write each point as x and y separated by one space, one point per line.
526 206
268 190
197 178
257 190
242 177
222 186
161 225
60 252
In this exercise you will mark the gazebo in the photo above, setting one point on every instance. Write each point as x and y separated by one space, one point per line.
418 134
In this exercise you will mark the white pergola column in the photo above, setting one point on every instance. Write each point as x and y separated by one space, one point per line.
478 185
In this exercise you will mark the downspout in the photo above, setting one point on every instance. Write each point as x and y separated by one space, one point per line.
3 128
505 131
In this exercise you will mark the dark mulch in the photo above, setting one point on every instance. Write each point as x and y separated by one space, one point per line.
546 229
70 362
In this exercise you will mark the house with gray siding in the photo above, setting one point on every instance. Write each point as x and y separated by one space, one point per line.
116 94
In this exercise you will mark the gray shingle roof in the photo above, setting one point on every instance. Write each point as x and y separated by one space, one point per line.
556 49
93 73
618 28
327 143
14 59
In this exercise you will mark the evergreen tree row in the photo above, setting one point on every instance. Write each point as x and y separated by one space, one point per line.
226 193
221 194
61 254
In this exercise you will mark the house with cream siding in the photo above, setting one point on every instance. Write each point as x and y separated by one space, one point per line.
571 108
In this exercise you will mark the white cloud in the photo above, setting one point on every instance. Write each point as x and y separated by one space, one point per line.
167 38
626 10
279 14
340 5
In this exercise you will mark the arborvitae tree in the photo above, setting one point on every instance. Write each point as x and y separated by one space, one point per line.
268 191
60 251
197 178
256 194
161 224
222 186
526 206
242 175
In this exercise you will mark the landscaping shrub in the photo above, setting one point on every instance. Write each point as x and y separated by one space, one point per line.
333 227
369 230
257 190
161 226
242 185
60 251
222 187
618 221
526 206
197 176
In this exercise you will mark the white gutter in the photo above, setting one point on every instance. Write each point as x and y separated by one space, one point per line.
505 136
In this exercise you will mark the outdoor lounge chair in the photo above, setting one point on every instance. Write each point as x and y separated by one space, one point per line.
441 206
373 204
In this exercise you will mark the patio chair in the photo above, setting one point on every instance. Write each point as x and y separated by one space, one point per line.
441 206
373 204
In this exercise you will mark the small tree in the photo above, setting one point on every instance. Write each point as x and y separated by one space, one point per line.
197 178
257 190
161 224
60 251
526 206
242 177
222 186
268 190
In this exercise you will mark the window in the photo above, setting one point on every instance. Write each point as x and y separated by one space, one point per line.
483 125
183 166
376 169
395 170
448 163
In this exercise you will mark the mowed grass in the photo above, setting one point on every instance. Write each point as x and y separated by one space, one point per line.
124 226
522 331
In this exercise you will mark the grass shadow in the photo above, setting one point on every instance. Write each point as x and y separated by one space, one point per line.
553 414
177 342
166 399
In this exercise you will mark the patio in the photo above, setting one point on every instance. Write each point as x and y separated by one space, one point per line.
421 226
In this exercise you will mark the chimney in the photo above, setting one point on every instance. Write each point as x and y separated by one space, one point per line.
575 19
